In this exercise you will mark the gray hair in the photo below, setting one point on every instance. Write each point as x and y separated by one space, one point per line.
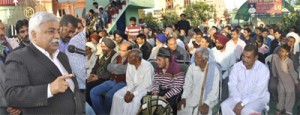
138 53
169 30
38 19
203 51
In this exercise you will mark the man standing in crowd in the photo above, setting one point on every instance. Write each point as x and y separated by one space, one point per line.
139 75
201 72
133 29
22 31
77 61
248 85
183 23
38 77
68 25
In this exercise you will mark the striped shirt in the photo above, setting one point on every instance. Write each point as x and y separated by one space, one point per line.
168 81
133 31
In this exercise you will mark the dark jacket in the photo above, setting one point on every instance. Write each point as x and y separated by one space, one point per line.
28 73
146 49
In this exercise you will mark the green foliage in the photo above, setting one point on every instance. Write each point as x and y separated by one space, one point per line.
199 11
169 18
151 21
148 19
289 21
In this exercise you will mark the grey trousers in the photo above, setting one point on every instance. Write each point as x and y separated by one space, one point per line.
286 94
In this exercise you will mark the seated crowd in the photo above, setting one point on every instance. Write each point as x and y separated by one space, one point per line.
208 71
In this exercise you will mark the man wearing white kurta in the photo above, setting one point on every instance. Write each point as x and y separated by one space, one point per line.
248 85
193 85
236 44
139 76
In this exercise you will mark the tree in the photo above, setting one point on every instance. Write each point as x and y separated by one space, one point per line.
289 21
297 2
148 19
169 18
199 11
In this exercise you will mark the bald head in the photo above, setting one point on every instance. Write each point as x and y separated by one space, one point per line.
124 49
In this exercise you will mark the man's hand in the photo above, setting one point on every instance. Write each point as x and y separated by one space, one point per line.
154 93
92 77
181 103
165 97
128 97
13 111
59 85
238 108
203 109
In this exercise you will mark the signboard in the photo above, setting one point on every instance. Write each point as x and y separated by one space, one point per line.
267 6
7 3
64 1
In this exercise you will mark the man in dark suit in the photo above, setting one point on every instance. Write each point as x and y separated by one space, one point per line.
38 78
144 46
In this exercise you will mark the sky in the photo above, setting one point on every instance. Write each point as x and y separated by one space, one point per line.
231 4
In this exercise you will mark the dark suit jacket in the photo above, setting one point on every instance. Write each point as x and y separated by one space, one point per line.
146 49
28 73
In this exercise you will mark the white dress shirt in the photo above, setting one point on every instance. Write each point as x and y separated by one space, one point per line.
248 85
226 59
139 79
61 68
238 47
193 85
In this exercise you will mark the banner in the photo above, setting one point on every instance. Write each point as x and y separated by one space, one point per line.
267 6
7 3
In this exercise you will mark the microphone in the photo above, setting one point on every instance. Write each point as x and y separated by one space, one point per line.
73 49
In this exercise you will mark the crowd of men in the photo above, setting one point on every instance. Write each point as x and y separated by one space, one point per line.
60 66
209 70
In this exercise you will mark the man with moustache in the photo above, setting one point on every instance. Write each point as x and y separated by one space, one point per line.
38 77
248 85
118 80
225 57
68 25
22 31
100 71
6 44
139 76
119 38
